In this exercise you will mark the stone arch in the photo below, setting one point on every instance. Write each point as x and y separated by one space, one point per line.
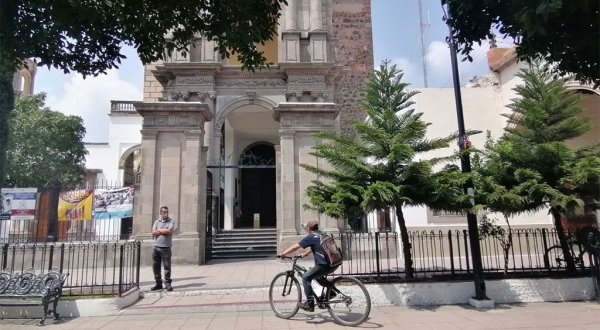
128 153
249 99
578 87
127 163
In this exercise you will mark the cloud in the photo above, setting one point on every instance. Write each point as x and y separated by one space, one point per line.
439 71
90 98
411 71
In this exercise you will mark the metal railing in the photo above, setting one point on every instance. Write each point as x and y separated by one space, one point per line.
94 268
439 255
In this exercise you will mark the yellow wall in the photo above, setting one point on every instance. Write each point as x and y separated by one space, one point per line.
269 49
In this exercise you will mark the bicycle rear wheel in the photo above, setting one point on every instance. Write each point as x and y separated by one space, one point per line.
349 301
285 295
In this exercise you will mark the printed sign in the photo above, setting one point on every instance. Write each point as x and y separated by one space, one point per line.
75 205
18 203
113 203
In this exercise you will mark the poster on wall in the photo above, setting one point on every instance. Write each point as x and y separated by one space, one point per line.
75 205
113 203
18 203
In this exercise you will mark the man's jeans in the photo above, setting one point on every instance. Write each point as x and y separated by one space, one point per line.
161 254
316 272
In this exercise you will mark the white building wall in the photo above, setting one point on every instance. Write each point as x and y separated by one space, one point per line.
124 133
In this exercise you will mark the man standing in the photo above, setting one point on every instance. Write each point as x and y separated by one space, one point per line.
162 231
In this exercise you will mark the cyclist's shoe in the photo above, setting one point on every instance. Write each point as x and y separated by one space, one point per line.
308 305
169 287
156 287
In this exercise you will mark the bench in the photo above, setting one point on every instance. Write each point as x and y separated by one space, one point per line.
29 289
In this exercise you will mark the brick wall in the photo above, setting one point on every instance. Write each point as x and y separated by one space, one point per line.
352 28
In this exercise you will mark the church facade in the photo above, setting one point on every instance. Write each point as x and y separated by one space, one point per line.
216 139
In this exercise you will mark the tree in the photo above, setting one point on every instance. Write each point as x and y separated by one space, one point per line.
531 167
87 36
382 166
559 31
46 146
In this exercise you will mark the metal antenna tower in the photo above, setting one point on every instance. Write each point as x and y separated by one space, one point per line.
422 26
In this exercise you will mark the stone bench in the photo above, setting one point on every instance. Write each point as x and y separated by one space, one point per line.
29 289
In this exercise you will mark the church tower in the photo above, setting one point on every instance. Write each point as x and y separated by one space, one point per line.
23 80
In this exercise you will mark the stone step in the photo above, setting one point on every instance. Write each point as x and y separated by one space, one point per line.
245 243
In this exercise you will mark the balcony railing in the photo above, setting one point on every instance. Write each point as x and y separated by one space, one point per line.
122 106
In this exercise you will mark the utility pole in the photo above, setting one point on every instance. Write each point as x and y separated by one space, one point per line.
465 163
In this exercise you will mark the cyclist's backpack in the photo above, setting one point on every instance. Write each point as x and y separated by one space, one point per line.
333 254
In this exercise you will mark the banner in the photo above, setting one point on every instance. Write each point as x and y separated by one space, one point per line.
113 203
75 205
18 203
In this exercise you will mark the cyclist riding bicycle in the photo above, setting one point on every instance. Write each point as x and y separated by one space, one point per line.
321 268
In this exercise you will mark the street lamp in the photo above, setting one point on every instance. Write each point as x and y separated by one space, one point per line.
465 164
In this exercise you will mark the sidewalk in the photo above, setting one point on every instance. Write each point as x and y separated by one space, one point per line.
544 316
233 294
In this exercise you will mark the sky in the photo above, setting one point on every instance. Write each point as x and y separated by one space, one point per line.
396 37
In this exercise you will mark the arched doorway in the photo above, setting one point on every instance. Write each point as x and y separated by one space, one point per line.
257 186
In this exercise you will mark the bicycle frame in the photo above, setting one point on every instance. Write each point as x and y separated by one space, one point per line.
298 270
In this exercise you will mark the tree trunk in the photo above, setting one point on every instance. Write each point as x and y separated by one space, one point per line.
406 246
564 245
8 13
507 246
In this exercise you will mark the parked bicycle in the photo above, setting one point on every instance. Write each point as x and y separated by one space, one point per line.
345 297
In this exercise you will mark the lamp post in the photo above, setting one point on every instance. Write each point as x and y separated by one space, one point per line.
465 163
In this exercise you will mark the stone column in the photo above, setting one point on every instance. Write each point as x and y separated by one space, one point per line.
290 15
316 20
144 206
174 175
287 185
298 121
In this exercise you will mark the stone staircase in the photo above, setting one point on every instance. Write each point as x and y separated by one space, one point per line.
245 243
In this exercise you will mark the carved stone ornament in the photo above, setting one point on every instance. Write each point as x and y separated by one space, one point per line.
307 80
194 80
250 83
182 120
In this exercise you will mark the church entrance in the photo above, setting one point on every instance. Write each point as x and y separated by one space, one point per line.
257 185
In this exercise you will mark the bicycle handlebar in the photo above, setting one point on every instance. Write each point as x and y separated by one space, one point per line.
290 258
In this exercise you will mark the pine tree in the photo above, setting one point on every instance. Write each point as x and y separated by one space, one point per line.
382 166
532 167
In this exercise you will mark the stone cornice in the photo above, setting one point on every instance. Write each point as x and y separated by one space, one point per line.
173 114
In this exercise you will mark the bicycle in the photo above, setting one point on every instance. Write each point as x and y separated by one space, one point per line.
345 297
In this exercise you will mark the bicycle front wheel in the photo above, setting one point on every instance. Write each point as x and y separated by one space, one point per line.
285 295
349 301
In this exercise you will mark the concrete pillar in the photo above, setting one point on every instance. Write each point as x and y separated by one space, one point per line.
174 175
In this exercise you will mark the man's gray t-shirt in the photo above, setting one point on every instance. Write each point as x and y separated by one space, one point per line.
163 240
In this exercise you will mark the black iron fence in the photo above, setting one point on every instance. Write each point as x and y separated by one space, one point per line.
439 255
94 268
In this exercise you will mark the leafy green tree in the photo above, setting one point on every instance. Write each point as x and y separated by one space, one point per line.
46 146
383 166
560 31
87 36
532 167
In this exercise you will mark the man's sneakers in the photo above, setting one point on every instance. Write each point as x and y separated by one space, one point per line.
308 305
169 287
157 287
